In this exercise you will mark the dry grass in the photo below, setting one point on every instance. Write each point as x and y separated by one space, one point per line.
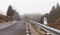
4 18
55 24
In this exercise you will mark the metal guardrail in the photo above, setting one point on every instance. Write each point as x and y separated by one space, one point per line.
50 30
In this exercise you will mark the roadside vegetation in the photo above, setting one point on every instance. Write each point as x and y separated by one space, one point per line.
4 18
53 17
11 15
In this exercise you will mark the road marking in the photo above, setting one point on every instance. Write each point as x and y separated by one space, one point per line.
7 25
27 34
27 30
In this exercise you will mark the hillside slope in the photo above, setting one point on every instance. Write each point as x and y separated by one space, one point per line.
4 18
55 24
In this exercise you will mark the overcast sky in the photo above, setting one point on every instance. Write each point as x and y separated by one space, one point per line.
28 6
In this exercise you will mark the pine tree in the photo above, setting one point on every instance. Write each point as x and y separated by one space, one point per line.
10 11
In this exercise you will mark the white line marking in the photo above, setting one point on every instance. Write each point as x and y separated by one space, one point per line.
27 34
27 31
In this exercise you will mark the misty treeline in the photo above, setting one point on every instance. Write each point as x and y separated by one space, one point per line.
53 15
34 17
13 13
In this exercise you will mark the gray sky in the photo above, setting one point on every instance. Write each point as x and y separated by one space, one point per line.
28 6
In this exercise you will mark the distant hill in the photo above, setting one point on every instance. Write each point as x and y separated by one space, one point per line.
34 17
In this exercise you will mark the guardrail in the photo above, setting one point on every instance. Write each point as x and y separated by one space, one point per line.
50 30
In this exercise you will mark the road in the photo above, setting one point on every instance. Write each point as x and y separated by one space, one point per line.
17 29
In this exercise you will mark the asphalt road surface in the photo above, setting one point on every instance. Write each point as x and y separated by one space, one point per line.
18 29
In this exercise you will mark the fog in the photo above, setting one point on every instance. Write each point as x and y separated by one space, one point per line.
28 6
